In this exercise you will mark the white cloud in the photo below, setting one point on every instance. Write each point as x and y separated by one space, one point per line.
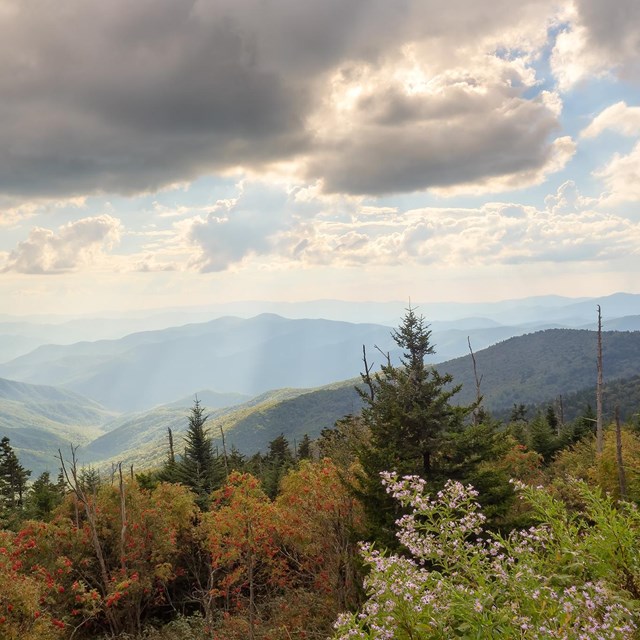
408 125
573 62
75 245
618 117
494 234
621 177
237 227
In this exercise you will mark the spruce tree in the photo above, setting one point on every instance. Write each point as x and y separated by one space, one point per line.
43 497
304 448
13 478
276 463
199 468
410 417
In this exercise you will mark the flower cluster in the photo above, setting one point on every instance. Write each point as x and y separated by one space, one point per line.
463 581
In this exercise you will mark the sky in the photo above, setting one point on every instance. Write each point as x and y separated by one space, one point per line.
158 154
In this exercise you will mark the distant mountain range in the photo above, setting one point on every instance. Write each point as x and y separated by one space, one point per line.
530 369
544 364
19 336
235 355
228 355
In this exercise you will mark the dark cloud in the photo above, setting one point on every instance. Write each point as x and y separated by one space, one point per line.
414 143
127 97
130 97
613 30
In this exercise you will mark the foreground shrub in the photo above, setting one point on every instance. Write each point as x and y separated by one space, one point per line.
575 576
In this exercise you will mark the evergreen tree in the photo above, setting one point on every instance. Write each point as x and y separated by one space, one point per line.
43 497
409 414
13 478
276 463
552 419
542 439
90 480
237 461
199 468
343 443
304 449
585 424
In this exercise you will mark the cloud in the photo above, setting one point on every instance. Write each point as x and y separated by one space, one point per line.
75 245
621 175
236 228
612 32
468 127
601 38
618 117
121 97
565 231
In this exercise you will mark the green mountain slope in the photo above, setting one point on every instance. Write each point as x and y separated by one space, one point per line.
527 369
624 393
40 419
142 439
545 364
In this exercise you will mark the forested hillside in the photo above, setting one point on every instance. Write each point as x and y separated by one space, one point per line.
534 369
198 541
543 365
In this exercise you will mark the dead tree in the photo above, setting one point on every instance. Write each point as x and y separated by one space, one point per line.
123 520
172 455
560 413
224 452
366 376
478 380
70 474
599 427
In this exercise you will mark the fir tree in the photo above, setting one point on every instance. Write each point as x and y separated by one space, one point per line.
199 468
304 449
541 438
43 497
13 478
410 417
276 463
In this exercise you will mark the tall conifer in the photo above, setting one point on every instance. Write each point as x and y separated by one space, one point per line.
199 468
409 414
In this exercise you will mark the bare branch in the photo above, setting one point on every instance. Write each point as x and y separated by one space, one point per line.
384 354
366 376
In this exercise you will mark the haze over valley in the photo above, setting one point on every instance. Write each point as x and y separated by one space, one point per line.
263 375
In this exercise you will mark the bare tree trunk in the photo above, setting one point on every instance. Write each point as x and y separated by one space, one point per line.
172 455
366 376
476 410
71 478
224 452
622 479
123 520
599 428
250 577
